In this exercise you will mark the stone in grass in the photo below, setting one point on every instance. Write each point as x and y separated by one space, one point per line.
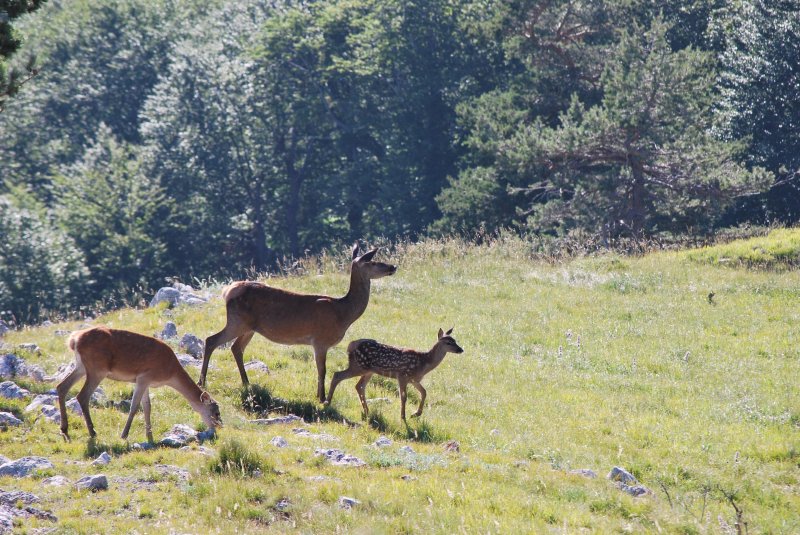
30 347
10 390
142 446
406 449
339 458
192 345
25 466
4 328
170 331
301 432
345 502
288 419
40 401
178 436
622 475
55 481
102 460
383 441
585 472
7 419
51 413
256 365
279 442
93 483
634 490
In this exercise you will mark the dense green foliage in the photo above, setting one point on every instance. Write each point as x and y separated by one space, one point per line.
177 138
12 80
584 363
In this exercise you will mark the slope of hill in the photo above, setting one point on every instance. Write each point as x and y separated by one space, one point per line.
589 363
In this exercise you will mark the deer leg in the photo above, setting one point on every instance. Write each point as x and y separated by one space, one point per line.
146 408
320 354
212 342
337 378
63 389
138 392
361 388
83 399
403 383
422 394
238 354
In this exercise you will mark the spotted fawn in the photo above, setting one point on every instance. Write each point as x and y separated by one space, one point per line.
367 357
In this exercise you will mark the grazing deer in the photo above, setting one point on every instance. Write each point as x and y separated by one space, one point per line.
367 357
101 352
290 318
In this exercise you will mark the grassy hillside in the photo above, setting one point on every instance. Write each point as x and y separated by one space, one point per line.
591 363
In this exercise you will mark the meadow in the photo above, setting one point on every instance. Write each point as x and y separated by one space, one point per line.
673 365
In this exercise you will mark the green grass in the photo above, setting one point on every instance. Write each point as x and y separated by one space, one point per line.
593 362
779 249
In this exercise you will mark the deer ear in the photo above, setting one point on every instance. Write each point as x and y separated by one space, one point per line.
368 256
441 333
205 398
355 250
450 331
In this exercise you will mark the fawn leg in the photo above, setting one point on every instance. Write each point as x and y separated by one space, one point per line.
63 389
320 355
238 354
361 388
403 383
214 341
138 392
84 395
337 378
146 408
422 394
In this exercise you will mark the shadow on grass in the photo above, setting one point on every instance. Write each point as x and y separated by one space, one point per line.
95 448
424 432
259 400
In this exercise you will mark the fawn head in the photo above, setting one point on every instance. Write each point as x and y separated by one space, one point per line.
367 268
209 411
449 342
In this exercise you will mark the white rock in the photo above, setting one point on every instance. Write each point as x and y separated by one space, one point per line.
346 502
256 365
288 419
383 441
25 466
102 460
56 481
10 390
339 458
40 401
6 419
95 482
279 442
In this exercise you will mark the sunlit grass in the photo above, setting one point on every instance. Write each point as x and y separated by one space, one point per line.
593 362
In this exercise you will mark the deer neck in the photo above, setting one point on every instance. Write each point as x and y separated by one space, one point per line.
187 388
355 302
434 357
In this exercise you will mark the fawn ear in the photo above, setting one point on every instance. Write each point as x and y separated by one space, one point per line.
205 398
355 250
450 331
368 256
441 333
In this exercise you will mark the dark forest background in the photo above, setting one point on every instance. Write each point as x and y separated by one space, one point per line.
146 139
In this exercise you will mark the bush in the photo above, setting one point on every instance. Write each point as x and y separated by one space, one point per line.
236 459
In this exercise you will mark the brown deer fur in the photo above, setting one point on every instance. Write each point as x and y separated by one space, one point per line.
102 353
367 357
290 318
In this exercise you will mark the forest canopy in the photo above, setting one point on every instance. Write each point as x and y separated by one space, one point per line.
177 138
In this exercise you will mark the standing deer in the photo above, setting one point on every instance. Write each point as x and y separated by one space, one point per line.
367 357
290 318
101 352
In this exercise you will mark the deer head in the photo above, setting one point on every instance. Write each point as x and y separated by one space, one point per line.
209 411
365 267
449 342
